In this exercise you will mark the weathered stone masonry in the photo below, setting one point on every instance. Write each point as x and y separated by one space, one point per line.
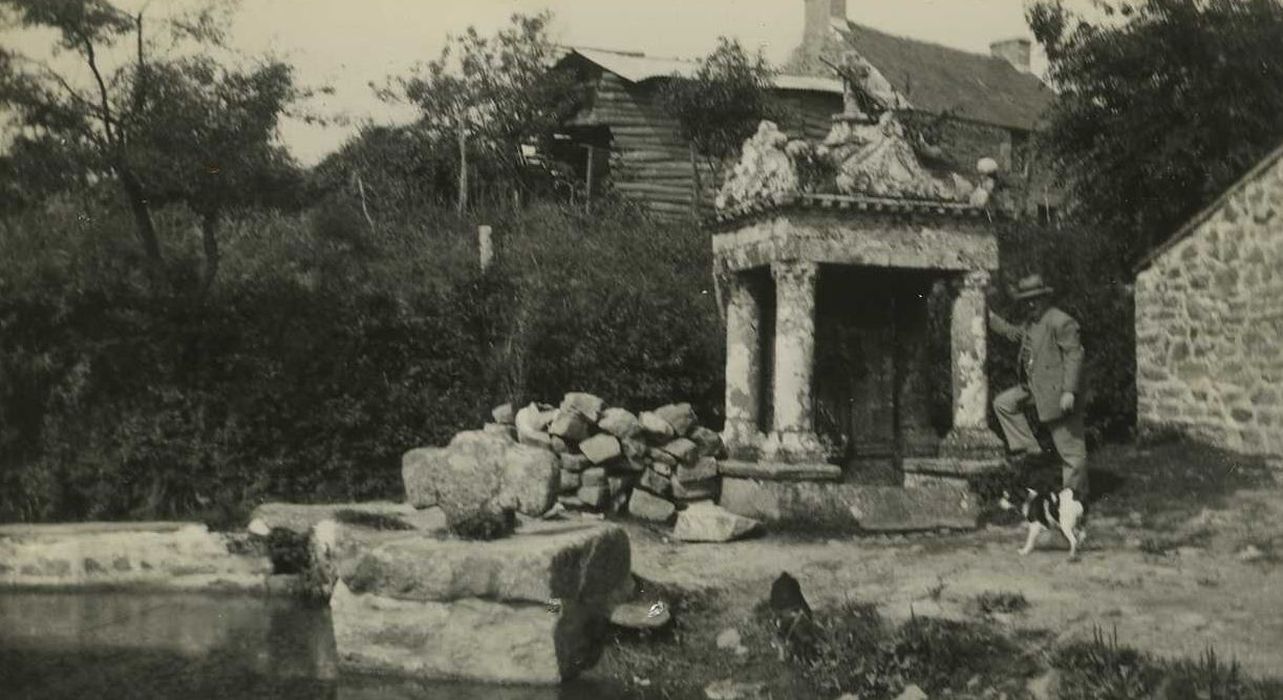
1209 322
793 243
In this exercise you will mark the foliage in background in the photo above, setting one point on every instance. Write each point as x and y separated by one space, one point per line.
1163 104
1087 267
164 126
325 352
492 95
723 103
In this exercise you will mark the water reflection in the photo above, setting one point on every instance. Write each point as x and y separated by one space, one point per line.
99 645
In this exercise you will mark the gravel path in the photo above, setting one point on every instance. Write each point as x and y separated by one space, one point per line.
1198 591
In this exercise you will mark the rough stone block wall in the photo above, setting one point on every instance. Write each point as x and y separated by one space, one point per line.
1209 323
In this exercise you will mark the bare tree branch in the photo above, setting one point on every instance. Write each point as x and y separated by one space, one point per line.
91 58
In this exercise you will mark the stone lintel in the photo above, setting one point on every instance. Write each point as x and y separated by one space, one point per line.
876 241
780 471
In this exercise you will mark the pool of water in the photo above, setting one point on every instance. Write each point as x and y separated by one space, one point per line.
102 645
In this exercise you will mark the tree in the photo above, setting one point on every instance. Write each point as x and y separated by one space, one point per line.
722 104
164 126
1163 104
493 95
390 170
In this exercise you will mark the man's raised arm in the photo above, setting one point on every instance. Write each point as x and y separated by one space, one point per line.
1004 328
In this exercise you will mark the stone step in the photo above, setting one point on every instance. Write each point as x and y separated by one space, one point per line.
850 507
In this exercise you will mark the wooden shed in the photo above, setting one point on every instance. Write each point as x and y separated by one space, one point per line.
622 138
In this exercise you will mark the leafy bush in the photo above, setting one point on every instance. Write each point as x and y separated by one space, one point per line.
1086 266
327 348
857 652
1102 669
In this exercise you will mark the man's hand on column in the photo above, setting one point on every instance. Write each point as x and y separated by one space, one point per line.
1067 402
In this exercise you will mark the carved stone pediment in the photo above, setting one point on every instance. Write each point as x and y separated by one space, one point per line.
860 157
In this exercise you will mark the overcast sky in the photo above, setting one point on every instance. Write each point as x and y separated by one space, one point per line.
348 43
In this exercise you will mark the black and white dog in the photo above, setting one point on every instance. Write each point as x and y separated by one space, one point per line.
1048 510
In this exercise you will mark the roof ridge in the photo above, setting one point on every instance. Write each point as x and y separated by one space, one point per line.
693 61
933 44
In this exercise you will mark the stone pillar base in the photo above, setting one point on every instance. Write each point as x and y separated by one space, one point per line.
972 443
793 447
742 440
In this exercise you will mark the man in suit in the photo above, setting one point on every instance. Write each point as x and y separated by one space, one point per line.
1050 370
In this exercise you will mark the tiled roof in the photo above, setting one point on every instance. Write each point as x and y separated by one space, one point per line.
937 78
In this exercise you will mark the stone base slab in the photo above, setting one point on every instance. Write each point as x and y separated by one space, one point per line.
850 507
541 562
164 555
921 481
959 467
468 639
780 471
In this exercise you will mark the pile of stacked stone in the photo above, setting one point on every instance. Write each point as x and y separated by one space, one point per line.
611 460
659 466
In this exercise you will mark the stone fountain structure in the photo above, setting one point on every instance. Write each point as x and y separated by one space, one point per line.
853 280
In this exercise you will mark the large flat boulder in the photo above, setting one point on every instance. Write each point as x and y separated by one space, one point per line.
706 522
466 639
851 507
299 517
541 562
418 469
479 472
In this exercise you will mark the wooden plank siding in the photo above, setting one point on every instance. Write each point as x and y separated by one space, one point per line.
651 162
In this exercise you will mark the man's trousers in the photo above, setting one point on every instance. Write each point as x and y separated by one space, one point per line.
1066 433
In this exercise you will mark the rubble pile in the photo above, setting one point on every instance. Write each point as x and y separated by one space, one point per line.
604 460
613 461
651 465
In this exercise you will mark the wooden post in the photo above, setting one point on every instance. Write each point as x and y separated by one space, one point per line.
485 246
694 183
463 167
588 185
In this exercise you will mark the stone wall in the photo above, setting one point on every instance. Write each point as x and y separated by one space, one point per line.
1209 322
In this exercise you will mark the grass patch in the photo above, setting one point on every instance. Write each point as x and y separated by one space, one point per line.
1176 478
991 602
1103 669
853 650
1172 478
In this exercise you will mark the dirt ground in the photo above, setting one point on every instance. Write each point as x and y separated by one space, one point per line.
1173 581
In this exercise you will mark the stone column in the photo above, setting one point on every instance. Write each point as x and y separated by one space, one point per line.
970 437
793 437
743 368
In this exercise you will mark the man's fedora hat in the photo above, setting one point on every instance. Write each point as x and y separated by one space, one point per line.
1031 287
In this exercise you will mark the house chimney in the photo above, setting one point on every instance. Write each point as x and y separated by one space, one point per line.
1013 51
819 20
